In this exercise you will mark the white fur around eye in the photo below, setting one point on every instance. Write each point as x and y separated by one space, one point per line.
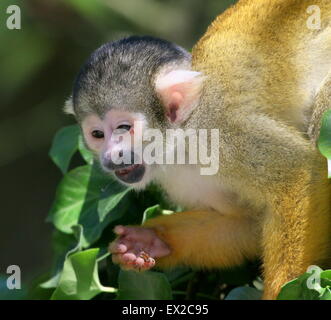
93 143
90 124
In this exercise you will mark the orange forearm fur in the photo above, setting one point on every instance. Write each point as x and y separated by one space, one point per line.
206 239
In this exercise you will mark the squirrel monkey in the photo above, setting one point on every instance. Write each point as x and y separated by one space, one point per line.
258 75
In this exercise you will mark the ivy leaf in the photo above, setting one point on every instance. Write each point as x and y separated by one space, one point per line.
155 211
111 195
52 282
326 278
85 153
72 195
77 202
79 279
291 291
64 254
152 212
78 232
298 289
324 141
325 294
65 144
148 285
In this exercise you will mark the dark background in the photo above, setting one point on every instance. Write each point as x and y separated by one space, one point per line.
37 66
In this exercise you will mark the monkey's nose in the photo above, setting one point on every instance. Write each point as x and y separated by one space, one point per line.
124 159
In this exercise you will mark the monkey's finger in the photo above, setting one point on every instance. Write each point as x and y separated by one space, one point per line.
125 265
117 247
139 262
126 245
114 247
131 262
128 265
150 263
134 233
119 230
127 258
145 235
123 260
146 265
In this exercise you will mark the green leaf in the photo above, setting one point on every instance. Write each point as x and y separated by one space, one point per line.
78 232
77 202
62 251
151 212
244 293
85 153
65 144
297 289
71 197
79 279
291 291
52 282
324 141
147 285
155 211
326 294
112 194
326 275
178 275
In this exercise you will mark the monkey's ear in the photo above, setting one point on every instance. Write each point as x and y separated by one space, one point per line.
179 91
68 106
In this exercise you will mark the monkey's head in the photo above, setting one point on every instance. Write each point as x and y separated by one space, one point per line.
126 87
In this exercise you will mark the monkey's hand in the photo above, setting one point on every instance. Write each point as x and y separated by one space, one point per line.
135 248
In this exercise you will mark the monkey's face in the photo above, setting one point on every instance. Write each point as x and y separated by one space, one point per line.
117 133
125 87
114 138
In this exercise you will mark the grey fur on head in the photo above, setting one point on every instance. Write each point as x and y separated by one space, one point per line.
120 74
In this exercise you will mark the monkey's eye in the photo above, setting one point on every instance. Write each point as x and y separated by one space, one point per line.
98 134
124 127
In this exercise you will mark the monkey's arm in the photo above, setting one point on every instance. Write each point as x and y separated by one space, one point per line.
206 239
196 238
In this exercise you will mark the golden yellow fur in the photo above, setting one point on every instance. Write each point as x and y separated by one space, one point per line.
261 49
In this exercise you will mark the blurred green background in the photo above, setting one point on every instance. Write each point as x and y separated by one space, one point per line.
37 67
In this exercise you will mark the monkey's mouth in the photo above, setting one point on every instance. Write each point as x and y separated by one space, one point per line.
131 174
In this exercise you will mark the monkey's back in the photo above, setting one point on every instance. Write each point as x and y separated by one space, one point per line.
265 52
